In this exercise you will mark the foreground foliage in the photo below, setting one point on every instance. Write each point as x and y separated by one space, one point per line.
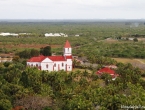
34 89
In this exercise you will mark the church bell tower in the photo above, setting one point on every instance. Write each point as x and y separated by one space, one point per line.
67 50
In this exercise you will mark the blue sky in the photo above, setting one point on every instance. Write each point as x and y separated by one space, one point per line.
72 9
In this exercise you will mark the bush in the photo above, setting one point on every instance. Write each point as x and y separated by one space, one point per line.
135 40
5 104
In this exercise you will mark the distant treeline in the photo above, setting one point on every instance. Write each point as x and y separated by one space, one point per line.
94 29
137 35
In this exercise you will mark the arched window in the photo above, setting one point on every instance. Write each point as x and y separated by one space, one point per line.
36 65
62 64
54 64
31 64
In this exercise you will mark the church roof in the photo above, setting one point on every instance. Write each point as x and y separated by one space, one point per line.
67 44
53 58
37 59
69 57
56 58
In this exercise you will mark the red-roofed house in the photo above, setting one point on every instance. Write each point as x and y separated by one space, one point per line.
53 63
107 70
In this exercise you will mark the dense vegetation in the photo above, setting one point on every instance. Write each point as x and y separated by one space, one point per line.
96 29
77 90
82 46
92 40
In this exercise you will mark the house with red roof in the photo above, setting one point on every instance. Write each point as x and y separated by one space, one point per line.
53 63
108 71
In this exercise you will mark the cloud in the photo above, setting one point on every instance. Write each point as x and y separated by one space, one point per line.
76 3
71 9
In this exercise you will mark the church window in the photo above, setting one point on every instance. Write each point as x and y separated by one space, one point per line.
36 65
46 65
31 64
62 64
55 65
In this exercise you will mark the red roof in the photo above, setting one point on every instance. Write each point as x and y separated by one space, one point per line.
67 44
56 58
69 57
106 70
53 58
37 59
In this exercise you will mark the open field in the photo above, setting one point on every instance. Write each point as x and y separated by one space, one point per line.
36 46
14 48
140 63
128 60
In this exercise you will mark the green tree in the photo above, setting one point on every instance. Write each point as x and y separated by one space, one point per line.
16 58
135 40
5 104
24 54
34 52
46 51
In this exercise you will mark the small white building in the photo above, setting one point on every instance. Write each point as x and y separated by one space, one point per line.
8 34
55 35
53 63
77 35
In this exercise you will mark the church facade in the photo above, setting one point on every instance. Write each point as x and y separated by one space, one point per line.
54 63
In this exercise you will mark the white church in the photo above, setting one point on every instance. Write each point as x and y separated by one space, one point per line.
54 63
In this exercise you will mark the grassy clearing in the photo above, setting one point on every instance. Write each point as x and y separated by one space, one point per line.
141 60
28 46
125 60
143 78
128 60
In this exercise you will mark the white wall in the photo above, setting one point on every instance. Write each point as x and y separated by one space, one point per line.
67 51
46 62
54 66
44 67
69 64
59 65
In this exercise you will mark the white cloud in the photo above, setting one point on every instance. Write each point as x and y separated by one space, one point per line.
67 9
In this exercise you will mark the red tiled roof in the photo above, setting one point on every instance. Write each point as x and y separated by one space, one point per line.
106 70
56 58
69 57
37 59
67 44
53 58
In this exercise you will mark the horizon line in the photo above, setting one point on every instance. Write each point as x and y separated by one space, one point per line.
73 20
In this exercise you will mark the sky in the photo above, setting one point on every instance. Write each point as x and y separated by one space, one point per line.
72 9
